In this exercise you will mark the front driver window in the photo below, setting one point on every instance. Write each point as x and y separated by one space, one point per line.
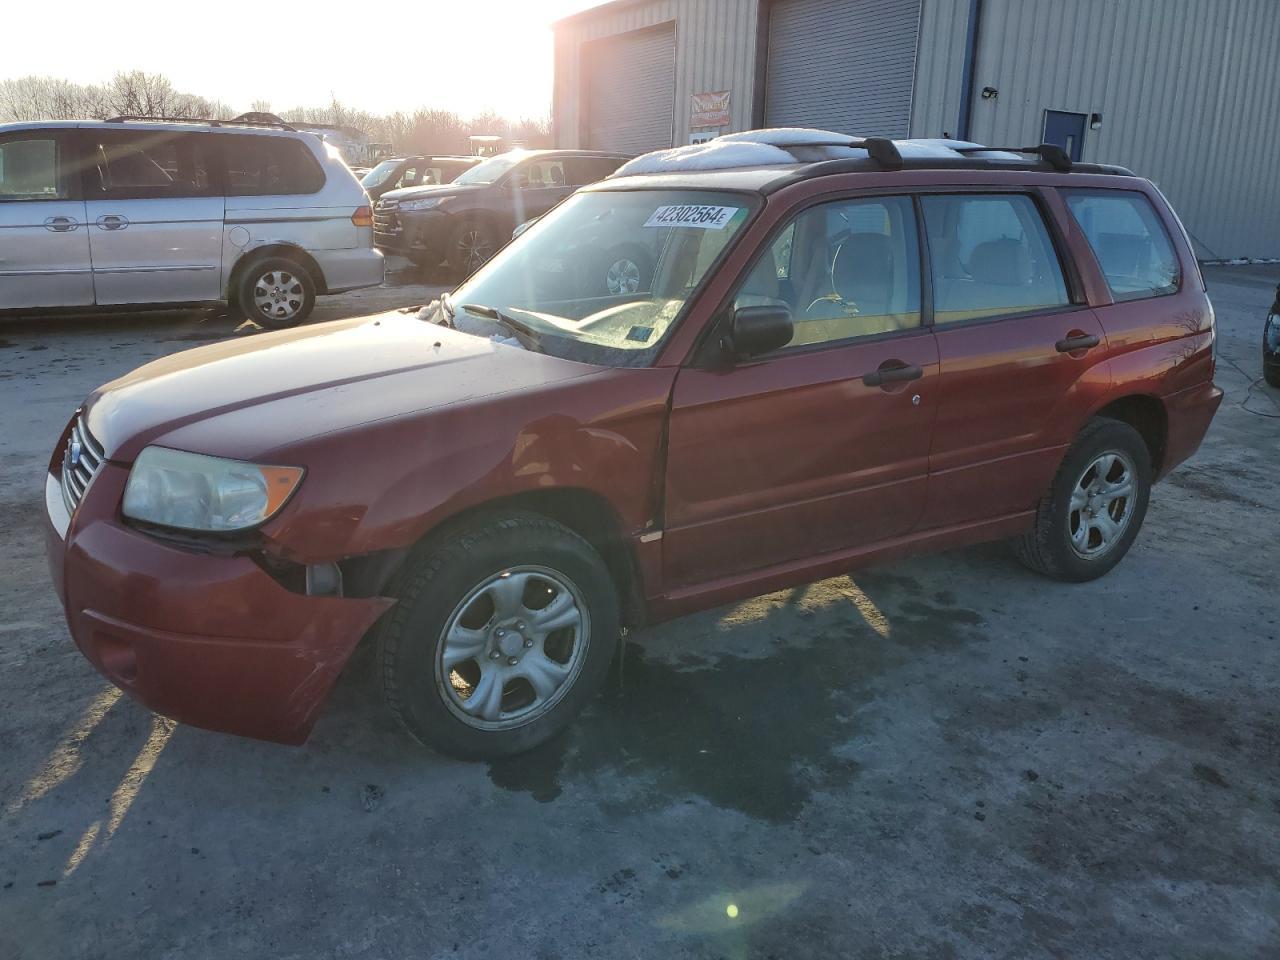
29 168
845 269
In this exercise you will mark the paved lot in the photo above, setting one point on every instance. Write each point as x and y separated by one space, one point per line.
948 757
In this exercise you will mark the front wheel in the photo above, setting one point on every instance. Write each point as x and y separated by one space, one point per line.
504 631
1091 515
471 245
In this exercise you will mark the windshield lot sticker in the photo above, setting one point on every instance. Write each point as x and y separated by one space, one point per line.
691 215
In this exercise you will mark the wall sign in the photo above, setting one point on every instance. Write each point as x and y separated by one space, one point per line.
710 109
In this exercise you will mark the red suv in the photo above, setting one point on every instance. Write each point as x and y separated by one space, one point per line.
845 351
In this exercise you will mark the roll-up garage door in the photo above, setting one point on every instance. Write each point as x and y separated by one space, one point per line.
843 65
631 90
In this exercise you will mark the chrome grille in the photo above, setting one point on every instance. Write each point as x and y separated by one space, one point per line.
386 217
81 462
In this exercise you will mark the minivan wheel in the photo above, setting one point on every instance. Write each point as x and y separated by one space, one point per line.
471 245
504 631
1092 513
276 293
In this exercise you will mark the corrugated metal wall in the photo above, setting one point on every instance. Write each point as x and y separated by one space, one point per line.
842 65
1189 92
715 50
631 90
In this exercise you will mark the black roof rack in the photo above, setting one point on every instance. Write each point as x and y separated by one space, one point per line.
1050 153
281 125
883 151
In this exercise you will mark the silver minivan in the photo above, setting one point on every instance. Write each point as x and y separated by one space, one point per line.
137 212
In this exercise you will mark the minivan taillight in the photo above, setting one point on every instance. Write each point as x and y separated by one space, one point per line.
363 217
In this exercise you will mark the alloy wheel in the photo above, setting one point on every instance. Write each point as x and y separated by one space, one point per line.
512 648
278 294
474 248
1101 504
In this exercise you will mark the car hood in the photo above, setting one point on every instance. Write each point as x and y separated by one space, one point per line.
254 394
432 190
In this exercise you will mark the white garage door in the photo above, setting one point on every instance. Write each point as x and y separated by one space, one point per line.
843 65
631 90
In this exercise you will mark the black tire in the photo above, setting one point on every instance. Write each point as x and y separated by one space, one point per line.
434 586
601 281
471 244
1271 373
295 290
1048 547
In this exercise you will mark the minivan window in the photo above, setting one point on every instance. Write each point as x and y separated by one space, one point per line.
850 268
147 164
990 255
29 164
259 166
1131 244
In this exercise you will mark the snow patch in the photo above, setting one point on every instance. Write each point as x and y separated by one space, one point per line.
760 148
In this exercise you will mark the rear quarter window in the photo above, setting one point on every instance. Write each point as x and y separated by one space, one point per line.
259 166
1129 241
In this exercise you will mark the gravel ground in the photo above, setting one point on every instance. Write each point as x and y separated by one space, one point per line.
948 757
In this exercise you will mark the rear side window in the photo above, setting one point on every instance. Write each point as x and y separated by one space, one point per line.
584 170
29 167
147 165
259 166
1131 244
990 256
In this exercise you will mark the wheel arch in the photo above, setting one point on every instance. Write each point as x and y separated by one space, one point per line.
587 513
1146 414
276 249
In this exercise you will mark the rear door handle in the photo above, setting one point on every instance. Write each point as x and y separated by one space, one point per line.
112 222
60 224
1083 341
885 375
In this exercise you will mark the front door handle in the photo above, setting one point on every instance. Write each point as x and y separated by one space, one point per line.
892 374
1077 341
60 224
112 222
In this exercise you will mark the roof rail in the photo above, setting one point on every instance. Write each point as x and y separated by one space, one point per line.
1050 153
128 118
882 150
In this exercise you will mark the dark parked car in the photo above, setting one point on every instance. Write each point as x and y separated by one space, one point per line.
395 173
832 363
1271 343
466 221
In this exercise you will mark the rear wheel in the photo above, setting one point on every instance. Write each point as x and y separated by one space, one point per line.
504 631
276 292
1092 513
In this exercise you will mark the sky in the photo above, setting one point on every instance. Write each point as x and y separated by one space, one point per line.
375 55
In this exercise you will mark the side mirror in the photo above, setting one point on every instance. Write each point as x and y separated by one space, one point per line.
758 330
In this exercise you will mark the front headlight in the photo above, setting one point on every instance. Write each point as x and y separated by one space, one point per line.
189 491
426 203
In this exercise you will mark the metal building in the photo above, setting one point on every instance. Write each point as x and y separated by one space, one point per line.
1186 92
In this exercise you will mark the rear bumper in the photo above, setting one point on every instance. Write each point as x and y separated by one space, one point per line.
1189 413
208 640
350 269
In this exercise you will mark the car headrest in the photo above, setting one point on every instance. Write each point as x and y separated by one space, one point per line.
1004 262
863 267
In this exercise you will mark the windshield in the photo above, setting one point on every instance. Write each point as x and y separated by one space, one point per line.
379 174
604 277
491 170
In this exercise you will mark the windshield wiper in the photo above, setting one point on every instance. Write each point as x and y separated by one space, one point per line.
522 331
